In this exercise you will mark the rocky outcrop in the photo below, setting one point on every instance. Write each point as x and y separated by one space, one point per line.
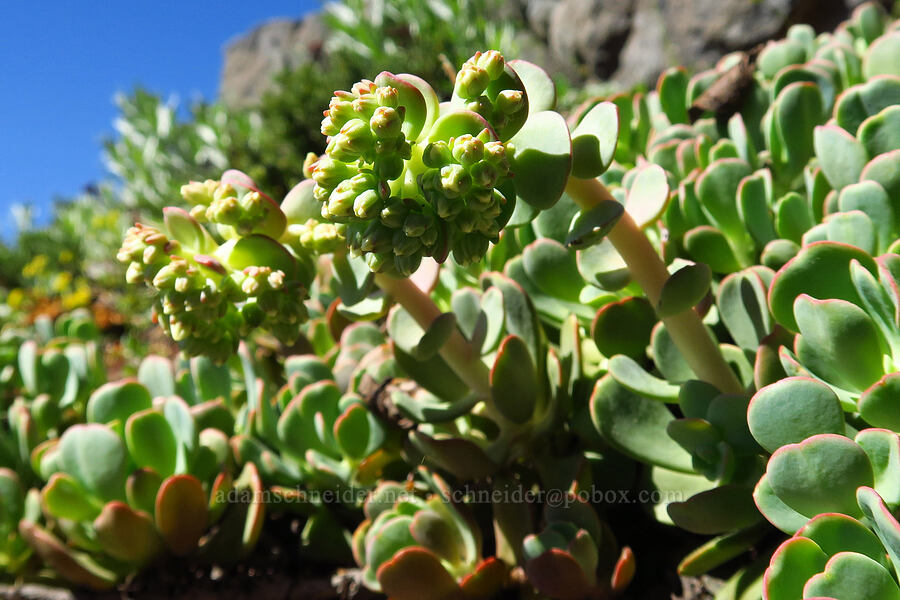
252 60
623 41
632 41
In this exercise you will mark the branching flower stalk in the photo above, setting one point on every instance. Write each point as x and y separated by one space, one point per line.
649 271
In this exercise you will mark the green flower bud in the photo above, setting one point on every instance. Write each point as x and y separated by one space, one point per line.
367 205
495 153
455 180
340 201
134 273
467 150
484 174
354 140
407 265
329 127
480 199
510 102
252 314
340 110
436 154
386 122
328 172
365 106
375 262
471 81
362 87
404 245
394 213
198 213
416 224
387 96
492 62
448 208
309 163
377 239
195 192
167 277
226 211
470 248
362 181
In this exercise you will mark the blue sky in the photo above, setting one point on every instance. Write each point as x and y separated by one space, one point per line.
61 63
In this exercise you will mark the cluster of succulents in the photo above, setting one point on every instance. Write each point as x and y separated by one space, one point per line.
664 297
211 295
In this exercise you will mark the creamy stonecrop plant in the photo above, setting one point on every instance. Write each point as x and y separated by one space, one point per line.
657 294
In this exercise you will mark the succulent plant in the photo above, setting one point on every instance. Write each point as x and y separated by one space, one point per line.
212 295
838 556
700 296
319 431
134 481
423 548
49 373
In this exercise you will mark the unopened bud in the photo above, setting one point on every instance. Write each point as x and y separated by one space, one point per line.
329 172
492 62
387 96
484 174
510 102
470 248
471 82
416 224
367 205
386 122
197 192
407 265
309 164
436 154
340 202
455 180
467 150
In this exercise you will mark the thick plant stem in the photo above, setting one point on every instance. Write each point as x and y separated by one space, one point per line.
648 270
456 351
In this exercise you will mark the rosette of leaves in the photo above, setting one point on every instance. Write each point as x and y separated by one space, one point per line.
843 305
318 444
48 376
575 554
838 556
211 295
834 460
137 480
412 178
423 548
319 432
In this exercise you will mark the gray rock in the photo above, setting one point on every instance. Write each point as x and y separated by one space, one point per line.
252 60
590 33
624 41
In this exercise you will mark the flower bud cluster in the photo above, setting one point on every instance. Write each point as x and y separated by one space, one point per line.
205 305
222 204
472 83
399 201
459 184
315 236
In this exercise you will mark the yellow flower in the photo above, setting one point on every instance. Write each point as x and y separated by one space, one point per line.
36 266
15 298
